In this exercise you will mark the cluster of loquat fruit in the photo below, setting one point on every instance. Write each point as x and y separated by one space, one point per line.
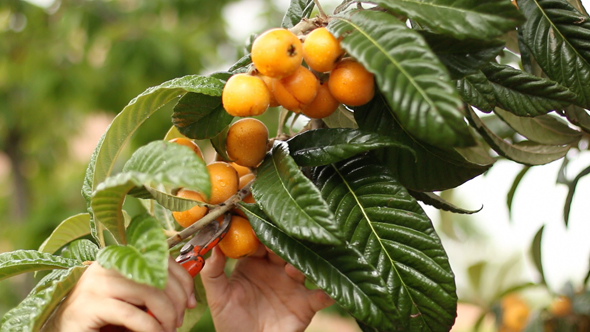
281 78
246 145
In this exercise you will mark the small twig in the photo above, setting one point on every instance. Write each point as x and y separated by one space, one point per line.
320 9
303 27
222 208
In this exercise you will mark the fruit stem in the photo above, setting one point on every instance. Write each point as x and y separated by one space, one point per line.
320 9
217 211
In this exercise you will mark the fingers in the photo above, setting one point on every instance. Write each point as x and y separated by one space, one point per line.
179 274
274 258
295 274
213 275
120 313
319 300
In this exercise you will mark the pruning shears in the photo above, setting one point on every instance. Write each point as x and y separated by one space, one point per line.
192 254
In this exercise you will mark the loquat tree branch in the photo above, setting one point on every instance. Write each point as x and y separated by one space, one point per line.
213 214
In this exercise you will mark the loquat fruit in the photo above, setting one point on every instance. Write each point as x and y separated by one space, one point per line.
268 81
245 95
191 144
224 181
277 53
560 307
350 83
296 90
240 240
323 105
242 170
321 50
190 216
246 142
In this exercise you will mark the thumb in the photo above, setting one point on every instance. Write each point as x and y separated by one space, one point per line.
213 276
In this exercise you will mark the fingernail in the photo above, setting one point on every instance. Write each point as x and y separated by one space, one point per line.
192 301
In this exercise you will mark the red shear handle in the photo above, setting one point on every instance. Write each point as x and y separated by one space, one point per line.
194 266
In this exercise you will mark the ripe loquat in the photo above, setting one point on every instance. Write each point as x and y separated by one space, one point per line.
224 181
245 95
268 81
240 240
323 105
277 53
350 83
560 307
242 170
321 50
190 216
191 144
246 142
296 90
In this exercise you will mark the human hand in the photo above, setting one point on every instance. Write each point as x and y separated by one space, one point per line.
263 294
104 297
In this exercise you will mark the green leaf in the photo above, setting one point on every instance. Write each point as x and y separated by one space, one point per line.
462 57
241 66
172 202
200 116
163 215
462 19
475 271
558 36
35 309
476 90
544 129
526 152
578 116
570 194
536 253
158 163
440 203
514 186
325 146
432 168
145 258
132 116
82 250
524 94
291 201
68 230
388 226
342 118
219 143
414 82
297 10
22 261
341 271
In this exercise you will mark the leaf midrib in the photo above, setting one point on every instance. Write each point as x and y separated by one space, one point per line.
396 64
383 249
456 9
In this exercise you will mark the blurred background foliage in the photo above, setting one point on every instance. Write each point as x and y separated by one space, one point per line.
66 68
69 66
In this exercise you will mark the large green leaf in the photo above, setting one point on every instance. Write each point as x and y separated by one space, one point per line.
431 168
462 57
200 116
558 36
524 94
68 230
341 271
396 237
145 258
324 146
341 118
297 10
82 250
22 261
158 163
544 129
133 115
462 19
525 152
33 311
289 198
476 90
578 116
414 82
